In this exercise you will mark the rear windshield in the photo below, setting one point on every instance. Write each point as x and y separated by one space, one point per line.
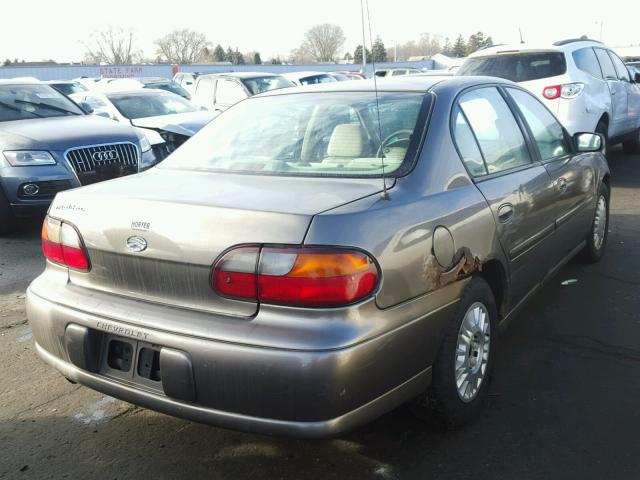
264 84
169 87
309 134
518 67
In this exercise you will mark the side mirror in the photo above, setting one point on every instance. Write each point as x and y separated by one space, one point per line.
86 107
588 142
636 77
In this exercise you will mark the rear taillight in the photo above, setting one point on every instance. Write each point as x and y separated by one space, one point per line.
568 90
296 276
553 92
61 243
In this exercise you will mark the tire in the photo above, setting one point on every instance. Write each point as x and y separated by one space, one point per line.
7 219
599 231
603 129
445 402
633 145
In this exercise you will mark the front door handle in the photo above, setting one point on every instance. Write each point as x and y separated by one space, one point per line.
505 213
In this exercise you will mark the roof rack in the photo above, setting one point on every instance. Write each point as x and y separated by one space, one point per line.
560 43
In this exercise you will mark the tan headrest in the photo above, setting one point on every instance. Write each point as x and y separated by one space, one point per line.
346 141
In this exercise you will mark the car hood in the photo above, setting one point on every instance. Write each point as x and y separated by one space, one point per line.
61 133
181 123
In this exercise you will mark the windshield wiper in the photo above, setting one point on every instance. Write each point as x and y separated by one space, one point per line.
16 109
46 105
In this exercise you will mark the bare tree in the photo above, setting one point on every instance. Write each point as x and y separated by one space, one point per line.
323 42
183 46
113 46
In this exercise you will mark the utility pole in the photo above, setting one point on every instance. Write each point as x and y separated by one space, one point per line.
364 43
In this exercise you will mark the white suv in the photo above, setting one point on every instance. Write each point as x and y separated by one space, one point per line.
582 82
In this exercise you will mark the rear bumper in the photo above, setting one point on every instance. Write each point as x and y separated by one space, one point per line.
299 393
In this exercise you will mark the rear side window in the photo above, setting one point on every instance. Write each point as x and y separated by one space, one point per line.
467 145
606 64
546 130
520 67
621 68
586 61
500 138
229 92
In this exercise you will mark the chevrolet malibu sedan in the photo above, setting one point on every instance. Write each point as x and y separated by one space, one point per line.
314 258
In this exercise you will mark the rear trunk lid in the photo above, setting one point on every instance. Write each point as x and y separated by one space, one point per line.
188 219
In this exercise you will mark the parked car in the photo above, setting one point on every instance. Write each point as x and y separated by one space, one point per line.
166 119
67 87
634 70
583 82
219 91
187 80
315 257
352 75
154 83
309 78
394 72
48 144
345 76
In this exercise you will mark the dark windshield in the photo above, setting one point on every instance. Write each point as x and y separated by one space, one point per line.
518 67
169 87
141 106
264 84
69 88
313 79
20 102
311 134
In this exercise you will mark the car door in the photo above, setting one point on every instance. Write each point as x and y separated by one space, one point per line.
633 94
228 93
619 104
572 175
204 93
518 189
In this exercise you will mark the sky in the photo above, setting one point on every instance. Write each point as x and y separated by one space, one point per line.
37 29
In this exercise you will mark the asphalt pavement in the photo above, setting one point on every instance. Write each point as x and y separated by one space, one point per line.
564 403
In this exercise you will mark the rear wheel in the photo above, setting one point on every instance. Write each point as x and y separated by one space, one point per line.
603 129
599 231
632 145
462 371
7 219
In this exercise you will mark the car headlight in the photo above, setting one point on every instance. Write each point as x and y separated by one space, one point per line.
28 158
145 145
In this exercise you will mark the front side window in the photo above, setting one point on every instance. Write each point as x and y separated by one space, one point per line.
518 67
229 92
546 130
586 61
500 138
467 145
606 64
142 106
21 102
338 134
621 68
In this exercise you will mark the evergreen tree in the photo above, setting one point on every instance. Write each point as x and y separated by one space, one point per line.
459 47
378 52
218 54
228 56
357 55
447 48
256 58
477 41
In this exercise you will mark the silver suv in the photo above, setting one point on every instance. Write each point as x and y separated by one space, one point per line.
583 83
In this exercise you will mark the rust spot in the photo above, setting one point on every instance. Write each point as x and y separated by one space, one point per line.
464 264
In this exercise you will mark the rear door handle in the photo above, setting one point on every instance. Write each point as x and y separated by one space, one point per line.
505 213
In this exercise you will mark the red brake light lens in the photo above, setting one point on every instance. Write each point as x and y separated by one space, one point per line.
61 243
294 276
553 92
